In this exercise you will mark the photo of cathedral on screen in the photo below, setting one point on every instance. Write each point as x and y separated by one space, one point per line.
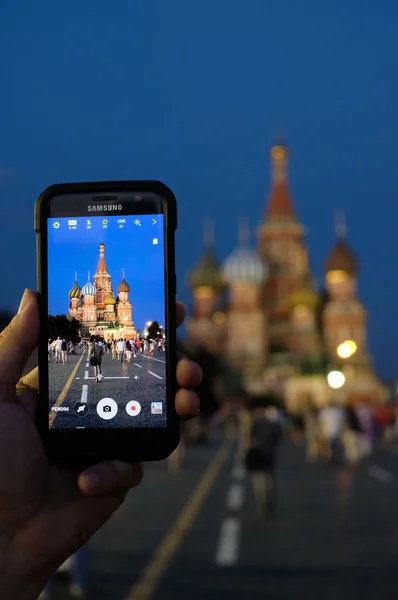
98 310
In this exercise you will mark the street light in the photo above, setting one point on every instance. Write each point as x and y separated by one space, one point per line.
346 349
336 379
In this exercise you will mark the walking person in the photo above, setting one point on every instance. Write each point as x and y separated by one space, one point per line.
121 348
96 360
64 351
263 436
128 351
58 350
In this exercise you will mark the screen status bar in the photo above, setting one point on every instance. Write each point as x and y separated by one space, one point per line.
103 223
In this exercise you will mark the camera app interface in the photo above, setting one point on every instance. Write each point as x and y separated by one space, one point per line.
106 322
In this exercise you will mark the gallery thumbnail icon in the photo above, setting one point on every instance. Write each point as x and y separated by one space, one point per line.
156 408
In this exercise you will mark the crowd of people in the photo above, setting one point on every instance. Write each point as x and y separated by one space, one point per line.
346 433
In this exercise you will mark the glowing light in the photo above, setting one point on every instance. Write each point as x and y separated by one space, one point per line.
336 276
148 323
336 379
346 349
278 152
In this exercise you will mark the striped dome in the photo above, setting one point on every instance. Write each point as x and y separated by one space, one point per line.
206 273
123 286
244 265
76 291
89 289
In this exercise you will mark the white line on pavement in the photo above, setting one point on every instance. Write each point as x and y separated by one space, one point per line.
84 393
228 543
238 472
235 496
157 359
381 474
87 365
139 366
154 374
77 377
86 375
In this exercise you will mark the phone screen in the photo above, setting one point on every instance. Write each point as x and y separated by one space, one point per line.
106 321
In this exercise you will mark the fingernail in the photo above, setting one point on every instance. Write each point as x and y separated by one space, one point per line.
24 301
94 480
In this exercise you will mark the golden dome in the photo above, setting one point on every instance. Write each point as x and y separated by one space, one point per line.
109 300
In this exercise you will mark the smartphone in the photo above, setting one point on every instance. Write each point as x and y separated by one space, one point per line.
107 348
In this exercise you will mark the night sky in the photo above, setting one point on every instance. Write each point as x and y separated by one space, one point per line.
194 93
127 246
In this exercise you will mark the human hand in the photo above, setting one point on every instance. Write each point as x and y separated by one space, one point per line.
47 512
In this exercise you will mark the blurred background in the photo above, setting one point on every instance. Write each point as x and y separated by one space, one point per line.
275 124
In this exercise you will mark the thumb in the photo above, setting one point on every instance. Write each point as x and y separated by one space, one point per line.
19 339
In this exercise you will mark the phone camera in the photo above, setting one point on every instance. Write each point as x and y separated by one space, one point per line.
107 408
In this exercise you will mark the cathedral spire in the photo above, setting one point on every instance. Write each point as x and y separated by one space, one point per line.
101 267
340 227
243 231
208 233
279 202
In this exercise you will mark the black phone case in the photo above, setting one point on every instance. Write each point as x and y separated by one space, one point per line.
88 446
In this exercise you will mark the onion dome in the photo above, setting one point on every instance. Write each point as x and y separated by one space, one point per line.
89 288
76 291
341 259
109 300
123 286
207 273
304 295
244 265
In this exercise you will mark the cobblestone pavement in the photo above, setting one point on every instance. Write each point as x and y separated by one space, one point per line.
334 534
142 380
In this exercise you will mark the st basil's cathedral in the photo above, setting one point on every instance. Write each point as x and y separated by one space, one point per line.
260 311
96 307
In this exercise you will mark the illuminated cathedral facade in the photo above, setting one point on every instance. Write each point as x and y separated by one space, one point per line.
263 314
97 308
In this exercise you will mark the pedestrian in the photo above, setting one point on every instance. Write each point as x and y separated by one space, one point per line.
64 351
96 360
263 436
121 348
331 425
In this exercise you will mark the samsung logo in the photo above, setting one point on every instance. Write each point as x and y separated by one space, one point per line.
104 207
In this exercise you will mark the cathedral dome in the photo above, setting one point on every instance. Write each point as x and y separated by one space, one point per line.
244 265
76 291
89 289
123 286
207 273
341 259
305 294
109 300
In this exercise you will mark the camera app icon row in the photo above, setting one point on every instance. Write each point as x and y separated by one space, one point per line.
107 408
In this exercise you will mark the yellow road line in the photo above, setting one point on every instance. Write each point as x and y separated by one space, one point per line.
66 387
165 552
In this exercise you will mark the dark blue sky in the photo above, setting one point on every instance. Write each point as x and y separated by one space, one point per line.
193 94
127 246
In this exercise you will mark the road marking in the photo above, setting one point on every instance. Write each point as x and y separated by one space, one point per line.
87 365
157 359
228 543
381 474
84 393
65 389
235 496
86 375
139 366
77 377
154 374
147 584
238 472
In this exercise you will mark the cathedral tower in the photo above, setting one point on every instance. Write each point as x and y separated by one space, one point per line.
89 308
344 317
75 295
281 246
206 324
246 327
102 281
123 305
